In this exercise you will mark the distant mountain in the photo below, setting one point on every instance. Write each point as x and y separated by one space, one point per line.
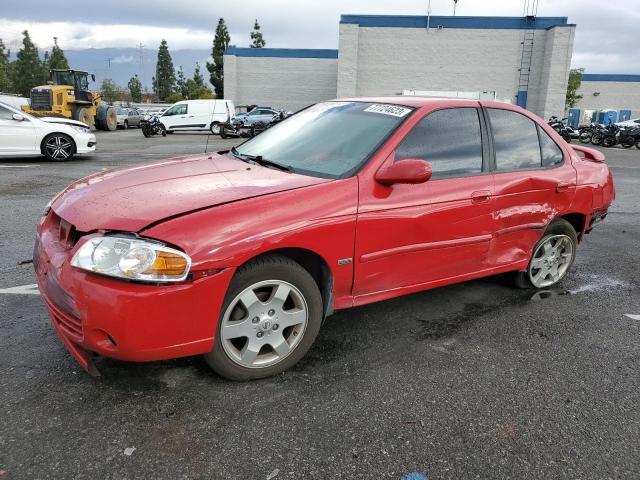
125 63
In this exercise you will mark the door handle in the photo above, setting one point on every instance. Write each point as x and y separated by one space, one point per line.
563 186
480 196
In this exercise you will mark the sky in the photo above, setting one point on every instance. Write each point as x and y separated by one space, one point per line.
606 38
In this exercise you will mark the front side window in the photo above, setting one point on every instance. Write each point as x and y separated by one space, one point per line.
5 114
329 139
515 139
450 140
176 110
551 152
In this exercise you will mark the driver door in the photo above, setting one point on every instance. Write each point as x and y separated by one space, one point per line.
410 237
16 136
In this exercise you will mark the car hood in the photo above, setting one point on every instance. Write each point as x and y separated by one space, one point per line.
130 199
63 121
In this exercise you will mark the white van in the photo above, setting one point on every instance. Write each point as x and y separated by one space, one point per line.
198 115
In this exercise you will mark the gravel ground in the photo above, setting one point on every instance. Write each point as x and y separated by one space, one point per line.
476 380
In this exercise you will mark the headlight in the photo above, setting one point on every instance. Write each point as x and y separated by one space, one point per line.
133 259
78 128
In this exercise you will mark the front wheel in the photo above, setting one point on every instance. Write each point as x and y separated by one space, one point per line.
585 137
552 257
609 142
596 138
215 128
58 147
270 317
627 142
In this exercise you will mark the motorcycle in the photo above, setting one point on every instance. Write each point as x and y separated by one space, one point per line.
235 129
598 134
152 126
559 126
630 136
585 131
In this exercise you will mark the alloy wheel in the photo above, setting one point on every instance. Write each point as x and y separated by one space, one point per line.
264 323
551 260
59 148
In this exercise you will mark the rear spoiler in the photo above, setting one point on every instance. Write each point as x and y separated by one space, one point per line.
589 153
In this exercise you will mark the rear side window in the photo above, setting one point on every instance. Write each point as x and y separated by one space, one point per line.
450 140
515 139
551 152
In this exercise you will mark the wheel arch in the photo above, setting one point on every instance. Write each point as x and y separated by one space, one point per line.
314 264
577 221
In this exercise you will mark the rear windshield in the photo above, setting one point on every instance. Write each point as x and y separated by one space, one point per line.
329 139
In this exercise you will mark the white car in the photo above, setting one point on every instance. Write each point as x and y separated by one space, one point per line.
57 139
198 115
634 122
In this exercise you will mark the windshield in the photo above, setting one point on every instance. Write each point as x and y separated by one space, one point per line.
121 111
330 139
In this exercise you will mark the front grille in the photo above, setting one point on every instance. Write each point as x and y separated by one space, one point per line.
40 99
70 325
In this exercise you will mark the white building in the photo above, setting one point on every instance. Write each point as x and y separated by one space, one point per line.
523 59
607 92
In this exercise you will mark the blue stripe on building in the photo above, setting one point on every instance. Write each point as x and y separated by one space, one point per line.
420 21
609 77
282 52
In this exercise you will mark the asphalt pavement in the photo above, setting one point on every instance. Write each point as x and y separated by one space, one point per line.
476 380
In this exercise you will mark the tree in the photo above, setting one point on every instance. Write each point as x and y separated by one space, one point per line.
57 60
165 80
181 83
216 69
575 80
110 91
197 76
135 89
28 70
5 78
256 37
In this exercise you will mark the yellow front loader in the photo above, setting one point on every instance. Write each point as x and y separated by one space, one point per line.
67 95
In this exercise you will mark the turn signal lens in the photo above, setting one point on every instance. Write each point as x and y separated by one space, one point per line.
168 264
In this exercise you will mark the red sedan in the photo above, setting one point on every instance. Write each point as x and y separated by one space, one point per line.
239 255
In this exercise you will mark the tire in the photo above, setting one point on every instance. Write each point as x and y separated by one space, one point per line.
585 137
223 132
627 142
83 115
125 125
106 118
609 142
558 231
284 329
58 147
596 138
146 131
638 144
215 128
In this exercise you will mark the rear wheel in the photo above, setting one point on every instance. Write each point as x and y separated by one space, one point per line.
58 147
270 317
106 118
552 257
215 128
609 141
596 138
627 142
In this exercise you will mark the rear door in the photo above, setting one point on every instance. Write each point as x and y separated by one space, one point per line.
412 236
533 183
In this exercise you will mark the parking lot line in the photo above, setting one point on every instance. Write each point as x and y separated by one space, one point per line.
18 166
31 289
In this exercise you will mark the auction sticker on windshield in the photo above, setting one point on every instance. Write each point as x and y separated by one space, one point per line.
394 110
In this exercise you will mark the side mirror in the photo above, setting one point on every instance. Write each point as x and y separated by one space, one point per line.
17 117
93 77
410 170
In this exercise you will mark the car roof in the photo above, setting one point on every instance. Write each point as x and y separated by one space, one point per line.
407 100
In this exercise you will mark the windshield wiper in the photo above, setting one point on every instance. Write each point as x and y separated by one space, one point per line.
258 159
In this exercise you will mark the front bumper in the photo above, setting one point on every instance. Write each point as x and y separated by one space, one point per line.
119 319
85 143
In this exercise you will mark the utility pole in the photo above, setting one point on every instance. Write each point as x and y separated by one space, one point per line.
428 14
455 3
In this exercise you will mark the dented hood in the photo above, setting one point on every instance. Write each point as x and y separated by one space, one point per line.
129 199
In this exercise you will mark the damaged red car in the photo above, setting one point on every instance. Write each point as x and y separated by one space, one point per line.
241 254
